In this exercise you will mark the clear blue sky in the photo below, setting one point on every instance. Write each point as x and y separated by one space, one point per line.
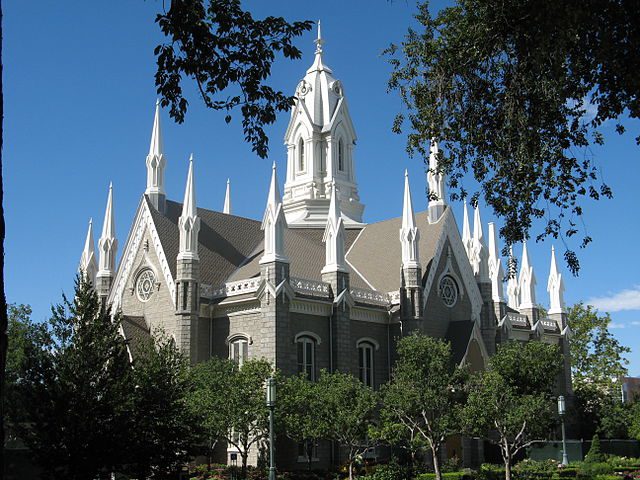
79 100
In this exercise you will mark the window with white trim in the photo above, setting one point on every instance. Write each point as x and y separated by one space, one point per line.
301 155
307 357
365 359
239 350
340 155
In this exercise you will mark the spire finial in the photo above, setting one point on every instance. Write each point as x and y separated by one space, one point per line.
88 266
156 163
466 230
480 255
189 222
189 204
273 223
409 233
527 281
334 236
107 242
496 273
555 287
227 199
156 147
319 41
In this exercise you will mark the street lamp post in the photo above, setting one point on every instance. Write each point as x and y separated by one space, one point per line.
271 403
561 412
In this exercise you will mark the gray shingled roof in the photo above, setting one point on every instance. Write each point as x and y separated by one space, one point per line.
136 332
458 335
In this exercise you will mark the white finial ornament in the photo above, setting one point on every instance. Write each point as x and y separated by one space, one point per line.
555 287
436 181
527 281
513 289
88 265
319 41
334 236
409 233
466 231
189 222
156 161
496 272
274 223
227 199
108 244
479 254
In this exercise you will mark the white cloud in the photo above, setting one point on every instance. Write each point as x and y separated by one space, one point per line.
636 323
628 299
613 325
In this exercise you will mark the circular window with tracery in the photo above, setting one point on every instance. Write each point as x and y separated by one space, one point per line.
145 285
448 291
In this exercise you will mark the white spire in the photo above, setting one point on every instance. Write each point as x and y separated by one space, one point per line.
156 163
409 233
88 265
435 180
189 222
479 254
108 244
513 289
274 223
555 287
318 64
527 281
334 236
227 199
496 273
466 230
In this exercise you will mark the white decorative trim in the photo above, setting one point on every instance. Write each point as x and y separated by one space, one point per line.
370 315
239 335
370 296
307 333
235 309
477 336
239 287
368 340
311 308
310 287
449 272
394 297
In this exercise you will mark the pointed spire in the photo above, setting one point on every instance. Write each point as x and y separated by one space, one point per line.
496 272
435 180
156 163
189 222
409 233
334 236
319 41
466 230
88 265
479 258
107 242
527 281
227 199
555 287
318 64
513 289
274 223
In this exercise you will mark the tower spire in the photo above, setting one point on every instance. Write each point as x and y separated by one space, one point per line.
555 287
334 236
409 233
479 250
496 272
513 289
435 180
466 230
227 199
189 222
88 265
527 282
108 245
156 163
274 223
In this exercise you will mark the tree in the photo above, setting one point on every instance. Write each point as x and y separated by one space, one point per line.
511 403
597 364
229 56
239 416
162 429
508 87
72 390
348 408
634 426
423 400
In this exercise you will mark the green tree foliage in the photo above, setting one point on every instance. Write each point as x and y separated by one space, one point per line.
508 86
238 415
634 426
423 401
594 455
229 55
597 362
73 388
513 397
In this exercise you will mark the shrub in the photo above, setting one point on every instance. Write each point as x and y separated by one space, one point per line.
489 471
589 470
533 470
391 471
595 455
463 475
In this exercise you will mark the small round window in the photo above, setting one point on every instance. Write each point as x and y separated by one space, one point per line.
448 291
145 285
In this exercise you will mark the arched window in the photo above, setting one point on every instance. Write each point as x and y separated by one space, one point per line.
239 350
365 359
340 155
307 356
301 154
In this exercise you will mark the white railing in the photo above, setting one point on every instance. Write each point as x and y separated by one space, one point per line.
370 296
236 288
394 297
309 287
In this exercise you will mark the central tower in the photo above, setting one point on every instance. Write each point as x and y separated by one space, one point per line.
320 142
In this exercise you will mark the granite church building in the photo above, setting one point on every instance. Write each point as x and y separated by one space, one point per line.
311 285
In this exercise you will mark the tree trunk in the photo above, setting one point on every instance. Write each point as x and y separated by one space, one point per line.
436 463
506 456
244 456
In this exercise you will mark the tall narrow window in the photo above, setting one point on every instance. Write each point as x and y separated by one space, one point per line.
365 355
239 351
301 154
340 155
306 357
